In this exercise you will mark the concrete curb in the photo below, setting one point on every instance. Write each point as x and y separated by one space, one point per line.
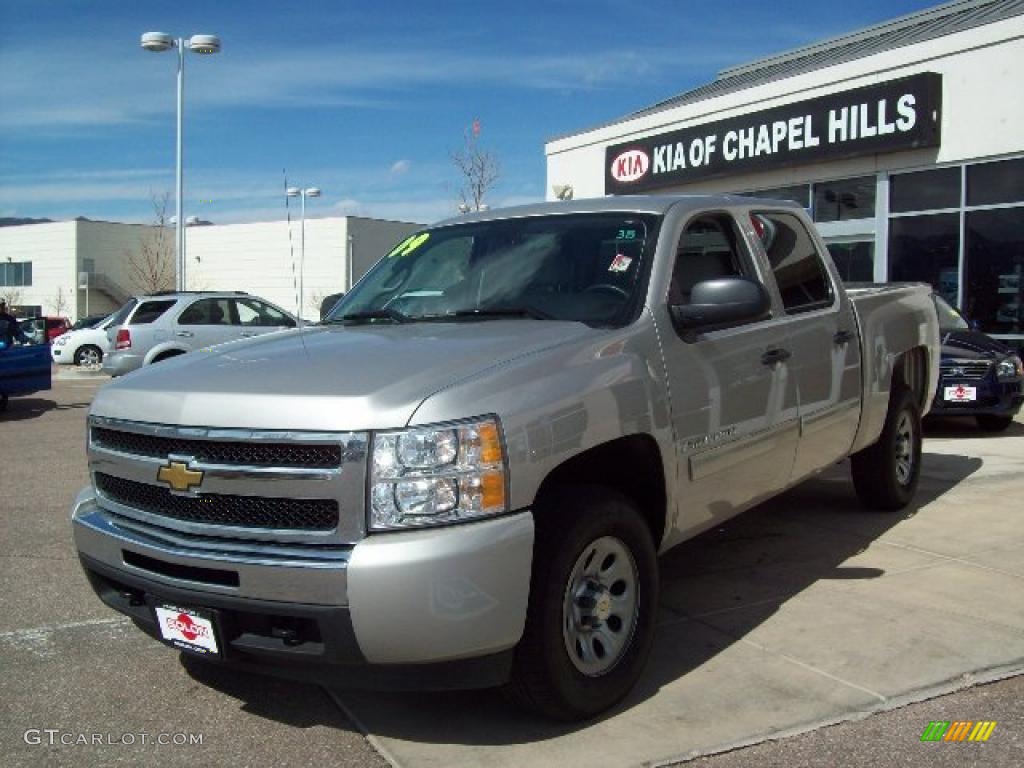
944 688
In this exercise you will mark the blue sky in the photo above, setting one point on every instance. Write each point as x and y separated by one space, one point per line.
364 99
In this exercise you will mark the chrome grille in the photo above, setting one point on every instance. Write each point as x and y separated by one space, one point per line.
293 488
221 509
220 451
971 370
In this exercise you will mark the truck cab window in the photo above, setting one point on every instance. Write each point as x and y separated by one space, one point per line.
799 271
708 249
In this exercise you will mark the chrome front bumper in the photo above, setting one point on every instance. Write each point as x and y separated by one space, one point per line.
416 597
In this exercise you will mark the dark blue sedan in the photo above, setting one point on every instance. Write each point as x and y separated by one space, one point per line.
980 376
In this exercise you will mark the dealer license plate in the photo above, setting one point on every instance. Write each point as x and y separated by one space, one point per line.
188 629
960 394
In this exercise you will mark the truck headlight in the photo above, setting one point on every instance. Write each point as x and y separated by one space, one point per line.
1010 368
437 475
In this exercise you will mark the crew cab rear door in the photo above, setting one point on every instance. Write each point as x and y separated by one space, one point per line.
733 400
822 337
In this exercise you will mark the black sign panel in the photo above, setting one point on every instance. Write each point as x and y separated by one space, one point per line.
895 115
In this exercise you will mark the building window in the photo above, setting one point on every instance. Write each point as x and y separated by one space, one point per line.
855 260
844 199
800 193
996 183
16 273
994 269
924 190
926 249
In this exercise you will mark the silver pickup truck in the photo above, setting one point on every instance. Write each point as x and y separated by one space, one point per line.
465 476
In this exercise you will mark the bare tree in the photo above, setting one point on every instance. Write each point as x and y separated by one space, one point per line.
478 167
12 296
151 267
60 303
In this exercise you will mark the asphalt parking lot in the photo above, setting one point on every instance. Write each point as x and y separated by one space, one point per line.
800 615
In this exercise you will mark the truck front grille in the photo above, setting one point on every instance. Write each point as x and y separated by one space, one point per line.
964 371
220 451
221 509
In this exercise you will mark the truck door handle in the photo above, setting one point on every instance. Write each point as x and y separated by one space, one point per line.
184 334
843 337
773 356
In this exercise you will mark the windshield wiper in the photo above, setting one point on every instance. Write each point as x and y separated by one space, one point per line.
524 311
377 314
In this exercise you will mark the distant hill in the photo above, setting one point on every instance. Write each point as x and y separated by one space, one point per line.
12 221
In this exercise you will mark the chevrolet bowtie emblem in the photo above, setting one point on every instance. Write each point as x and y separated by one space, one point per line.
177 475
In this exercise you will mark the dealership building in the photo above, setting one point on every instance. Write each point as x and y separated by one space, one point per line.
905 142
81 267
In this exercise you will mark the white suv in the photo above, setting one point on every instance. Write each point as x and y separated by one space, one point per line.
152 328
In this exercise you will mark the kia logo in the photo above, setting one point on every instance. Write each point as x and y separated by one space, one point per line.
630 165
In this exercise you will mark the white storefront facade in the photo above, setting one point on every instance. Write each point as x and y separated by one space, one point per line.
905 141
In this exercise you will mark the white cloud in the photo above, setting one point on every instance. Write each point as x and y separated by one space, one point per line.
400 167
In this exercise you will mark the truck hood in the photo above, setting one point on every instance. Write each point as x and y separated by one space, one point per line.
334 379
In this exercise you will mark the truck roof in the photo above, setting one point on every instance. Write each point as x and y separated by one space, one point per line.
656 204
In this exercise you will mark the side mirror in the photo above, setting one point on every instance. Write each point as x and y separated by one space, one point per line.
722 301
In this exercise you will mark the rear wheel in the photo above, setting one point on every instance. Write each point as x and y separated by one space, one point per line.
885 475
593 598
992 423
88 355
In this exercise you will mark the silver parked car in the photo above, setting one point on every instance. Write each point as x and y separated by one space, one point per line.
163 325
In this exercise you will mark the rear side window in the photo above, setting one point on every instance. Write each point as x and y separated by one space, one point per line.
149 311
799 271
207 312
252 312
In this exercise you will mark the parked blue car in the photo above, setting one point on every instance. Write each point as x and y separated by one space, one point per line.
24 369
979 376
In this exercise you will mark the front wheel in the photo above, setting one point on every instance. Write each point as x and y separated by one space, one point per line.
885 475
593 599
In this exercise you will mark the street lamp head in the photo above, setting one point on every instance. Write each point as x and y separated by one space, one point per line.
313 192
293 192
158 42
205 44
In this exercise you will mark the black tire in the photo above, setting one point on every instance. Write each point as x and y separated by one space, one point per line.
991 423
88 350
571 525
885 475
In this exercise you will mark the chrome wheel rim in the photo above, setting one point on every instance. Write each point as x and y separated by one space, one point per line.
904 449
89 357
601 606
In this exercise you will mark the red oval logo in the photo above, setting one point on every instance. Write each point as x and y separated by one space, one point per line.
630 165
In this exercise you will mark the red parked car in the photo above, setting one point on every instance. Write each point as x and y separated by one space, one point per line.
45 328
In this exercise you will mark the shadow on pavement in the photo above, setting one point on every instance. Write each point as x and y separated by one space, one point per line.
283 701
966 426
22 408
754 562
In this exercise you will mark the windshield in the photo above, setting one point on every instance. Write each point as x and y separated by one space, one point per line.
581 267
949 318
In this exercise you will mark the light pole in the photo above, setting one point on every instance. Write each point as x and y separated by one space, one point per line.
158 42
303 194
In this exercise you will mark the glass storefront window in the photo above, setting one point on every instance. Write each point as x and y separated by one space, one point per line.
924 190
800 193
994 269
995 183
925 249
855 261
844 199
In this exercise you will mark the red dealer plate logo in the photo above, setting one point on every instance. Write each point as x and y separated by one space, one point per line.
630 165
186 629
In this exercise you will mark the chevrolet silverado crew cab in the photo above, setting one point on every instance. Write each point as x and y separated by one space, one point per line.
464 477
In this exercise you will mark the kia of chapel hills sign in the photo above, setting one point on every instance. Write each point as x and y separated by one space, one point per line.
895 115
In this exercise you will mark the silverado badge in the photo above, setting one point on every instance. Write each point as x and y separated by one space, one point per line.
177 475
